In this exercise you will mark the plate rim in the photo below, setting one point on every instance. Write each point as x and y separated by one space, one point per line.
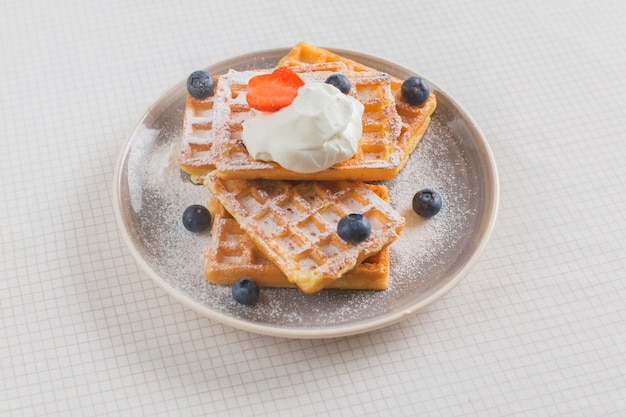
309 332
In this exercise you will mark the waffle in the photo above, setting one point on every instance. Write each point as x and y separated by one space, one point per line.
231 255
378 155
196 152
415 119
294 224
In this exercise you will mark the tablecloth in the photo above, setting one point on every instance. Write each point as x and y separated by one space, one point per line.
537 328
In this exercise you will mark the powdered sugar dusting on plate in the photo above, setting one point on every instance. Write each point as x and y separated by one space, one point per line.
165 193
176 254
450 159
425 240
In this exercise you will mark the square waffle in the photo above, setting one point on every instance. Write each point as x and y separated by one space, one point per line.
231 255
294 224
378 155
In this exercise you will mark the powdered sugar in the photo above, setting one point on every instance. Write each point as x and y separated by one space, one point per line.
163 193
437 163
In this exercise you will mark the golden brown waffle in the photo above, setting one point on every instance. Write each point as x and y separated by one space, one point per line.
295 224
196 154
231 255
378 156
415 119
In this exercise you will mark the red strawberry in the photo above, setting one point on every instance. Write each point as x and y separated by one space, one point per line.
272 92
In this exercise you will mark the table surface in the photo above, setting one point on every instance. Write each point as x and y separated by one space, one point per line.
538 327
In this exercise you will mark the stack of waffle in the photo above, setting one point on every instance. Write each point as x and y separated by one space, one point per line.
279 227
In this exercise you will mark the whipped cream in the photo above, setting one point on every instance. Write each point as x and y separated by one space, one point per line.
321 127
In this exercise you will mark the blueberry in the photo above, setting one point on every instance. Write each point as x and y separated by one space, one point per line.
427 203
354 228
196 218
245 291
200 84
339 81
415 91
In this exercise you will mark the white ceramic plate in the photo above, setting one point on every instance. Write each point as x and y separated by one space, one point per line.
429 259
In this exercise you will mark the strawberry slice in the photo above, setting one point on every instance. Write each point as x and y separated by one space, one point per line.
272 92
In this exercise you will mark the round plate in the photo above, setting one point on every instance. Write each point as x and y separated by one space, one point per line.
430 258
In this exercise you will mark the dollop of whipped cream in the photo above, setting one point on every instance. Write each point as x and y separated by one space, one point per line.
321 127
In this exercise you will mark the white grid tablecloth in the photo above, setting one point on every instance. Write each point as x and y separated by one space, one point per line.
537 328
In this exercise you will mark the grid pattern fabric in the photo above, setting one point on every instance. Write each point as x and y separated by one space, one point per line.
537 328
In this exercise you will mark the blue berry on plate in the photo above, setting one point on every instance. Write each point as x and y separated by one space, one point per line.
245 291
200 84
196 218
340 81
354 228
415 91
427 202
